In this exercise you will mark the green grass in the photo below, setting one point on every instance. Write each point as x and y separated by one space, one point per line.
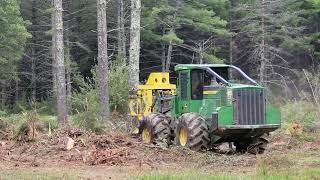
36 175
305 174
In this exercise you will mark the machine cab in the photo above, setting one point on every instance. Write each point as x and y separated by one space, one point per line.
203 88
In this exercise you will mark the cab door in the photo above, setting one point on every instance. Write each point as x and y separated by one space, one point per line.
184 84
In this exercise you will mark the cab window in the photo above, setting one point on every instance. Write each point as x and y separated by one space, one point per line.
211 82
197 84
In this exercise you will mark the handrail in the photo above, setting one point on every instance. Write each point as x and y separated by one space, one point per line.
245 75
213 73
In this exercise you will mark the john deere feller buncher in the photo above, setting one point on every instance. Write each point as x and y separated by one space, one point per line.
211 104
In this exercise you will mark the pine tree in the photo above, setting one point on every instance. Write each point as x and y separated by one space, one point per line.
188 25
267 30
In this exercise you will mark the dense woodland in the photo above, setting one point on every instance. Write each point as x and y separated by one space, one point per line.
73 54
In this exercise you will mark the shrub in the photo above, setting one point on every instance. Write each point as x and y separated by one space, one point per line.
85 101
88 111
3 113
29 127
119 88
300 112
299 118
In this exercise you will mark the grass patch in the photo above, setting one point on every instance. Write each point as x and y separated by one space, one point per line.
305 136
36 174
305 174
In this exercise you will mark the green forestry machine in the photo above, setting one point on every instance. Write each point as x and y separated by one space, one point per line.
211 104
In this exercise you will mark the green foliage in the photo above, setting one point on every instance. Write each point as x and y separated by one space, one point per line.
47 107
30 125
300 138
172 37
213 59
118 85
20 122
315 4
3 113
85 102
300 112
30 120
13 36
303 114
85 105
189 22
282 22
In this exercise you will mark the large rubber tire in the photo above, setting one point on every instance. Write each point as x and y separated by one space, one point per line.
155 129
192 132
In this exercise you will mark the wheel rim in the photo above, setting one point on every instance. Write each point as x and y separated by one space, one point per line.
183 137
146 135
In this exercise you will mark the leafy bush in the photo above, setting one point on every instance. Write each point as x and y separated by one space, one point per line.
300 112
29 123
85 102
3 113
29 127
298 119
298 138
119 88
87 109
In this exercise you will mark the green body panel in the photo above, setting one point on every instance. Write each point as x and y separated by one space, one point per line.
225 114
273 115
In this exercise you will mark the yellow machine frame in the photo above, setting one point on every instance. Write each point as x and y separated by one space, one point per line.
141 104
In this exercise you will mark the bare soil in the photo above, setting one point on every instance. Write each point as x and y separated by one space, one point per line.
116 155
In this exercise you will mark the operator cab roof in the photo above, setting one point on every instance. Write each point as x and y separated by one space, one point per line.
181 67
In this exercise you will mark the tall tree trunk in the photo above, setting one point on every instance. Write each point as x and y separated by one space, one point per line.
68 70
121 30
68 55
119 40
103 59
163 57
134 53
16 94
201 53
53 48
231 39
169 55
262 53
33 75
33 53
59 60
3 94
